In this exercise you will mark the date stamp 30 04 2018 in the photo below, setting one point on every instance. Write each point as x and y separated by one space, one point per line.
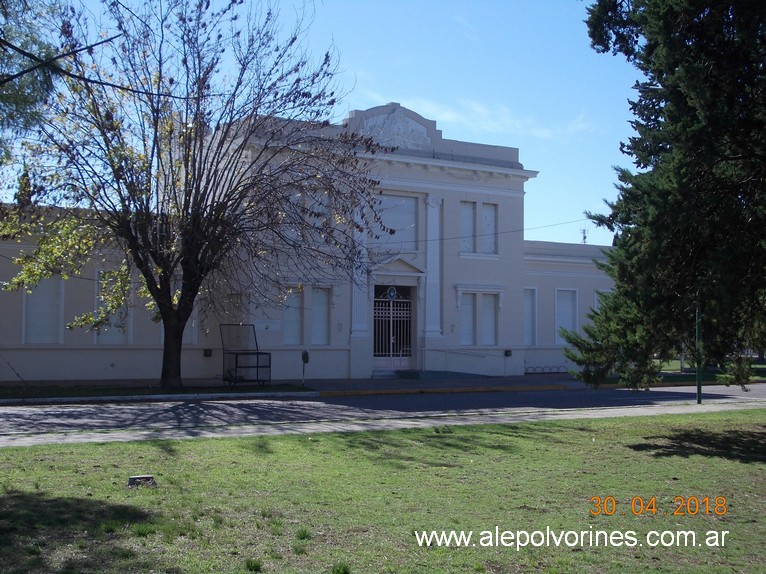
682 506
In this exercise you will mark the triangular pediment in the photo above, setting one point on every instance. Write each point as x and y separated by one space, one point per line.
398 266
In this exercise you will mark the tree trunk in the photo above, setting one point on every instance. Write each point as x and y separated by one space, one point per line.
171 353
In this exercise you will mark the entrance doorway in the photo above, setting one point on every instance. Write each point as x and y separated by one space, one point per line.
393 327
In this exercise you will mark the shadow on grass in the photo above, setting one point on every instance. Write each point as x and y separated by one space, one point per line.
39 533
259 445
738 445
435 446
165 446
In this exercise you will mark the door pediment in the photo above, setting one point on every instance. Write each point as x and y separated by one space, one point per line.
398 266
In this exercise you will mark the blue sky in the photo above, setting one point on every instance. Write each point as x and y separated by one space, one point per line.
518 73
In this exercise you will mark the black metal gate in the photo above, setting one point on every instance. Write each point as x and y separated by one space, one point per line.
393 327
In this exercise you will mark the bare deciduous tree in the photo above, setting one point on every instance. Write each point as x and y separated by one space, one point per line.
217 172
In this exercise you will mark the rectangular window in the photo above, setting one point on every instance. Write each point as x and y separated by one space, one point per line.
43 313
488 229
320 316
478 227
468 319
399 214
191 330
530 317
115 331
292 318
467 226
566 313
488 322
292 222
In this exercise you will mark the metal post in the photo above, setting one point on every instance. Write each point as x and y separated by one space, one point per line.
698 342
305 359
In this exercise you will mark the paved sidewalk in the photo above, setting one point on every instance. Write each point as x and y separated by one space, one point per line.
359 423
345 406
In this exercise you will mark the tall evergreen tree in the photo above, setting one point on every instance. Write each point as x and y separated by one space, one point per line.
690 222
22 91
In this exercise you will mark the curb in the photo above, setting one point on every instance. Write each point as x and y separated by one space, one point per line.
309 394
440 390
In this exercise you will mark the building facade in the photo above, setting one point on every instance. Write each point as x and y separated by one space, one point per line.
455 288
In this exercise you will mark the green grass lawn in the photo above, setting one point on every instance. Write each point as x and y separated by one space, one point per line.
335 503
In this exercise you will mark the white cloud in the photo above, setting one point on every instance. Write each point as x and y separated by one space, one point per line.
480 118
468 30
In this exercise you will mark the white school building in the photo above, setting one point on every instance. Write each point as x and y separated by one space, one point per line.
456 288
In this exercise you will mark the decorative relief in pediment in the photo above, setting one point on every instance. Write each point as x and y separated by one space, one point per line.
398 130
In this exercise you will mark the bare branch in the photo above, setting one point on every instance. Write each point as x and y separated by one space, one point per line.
49 63
219 170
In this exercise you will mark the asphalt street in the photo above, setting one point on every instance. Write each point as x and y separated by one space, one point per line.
183 419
